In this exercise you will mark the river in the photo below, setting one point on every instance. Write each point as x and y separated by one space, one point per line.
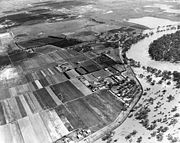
139 52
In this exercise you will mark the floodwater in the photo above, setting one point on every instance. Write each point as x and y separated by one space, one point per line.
152 22
165 8
139 52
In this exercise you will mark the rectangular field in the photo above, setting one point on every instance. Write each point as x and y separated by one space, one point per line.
27 131
7 112
45 98
60 127
35 104
90 66
18 56
104 61
16 133
101 73
82 109
74 120
108 98
40 129
4 93
51 128
105 109
2 117
21 107
15 111
66 91
5 134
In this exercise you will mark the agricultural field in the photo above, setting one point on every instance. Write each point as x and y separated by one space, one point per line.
47 89
90 66
66 91
57 72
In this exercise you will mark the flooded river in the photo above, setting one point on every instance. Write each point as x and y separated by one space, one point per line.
139 51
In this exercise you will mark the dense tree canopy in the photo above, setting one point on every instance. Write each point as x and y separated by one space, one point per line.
166 48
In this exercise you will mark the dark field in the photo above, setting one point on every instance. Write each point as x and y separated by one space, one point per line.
2 118
4 60
90 66
39 74
29 77
20 106
31 44
66 91
104 61
55 41
44 82
28 18
66 43
44 98
18 57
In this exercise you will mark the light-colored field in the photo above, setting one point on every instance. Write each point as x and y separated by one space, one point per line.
49 125
72 73
79 85
5 134
40 129
27 131
15 132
